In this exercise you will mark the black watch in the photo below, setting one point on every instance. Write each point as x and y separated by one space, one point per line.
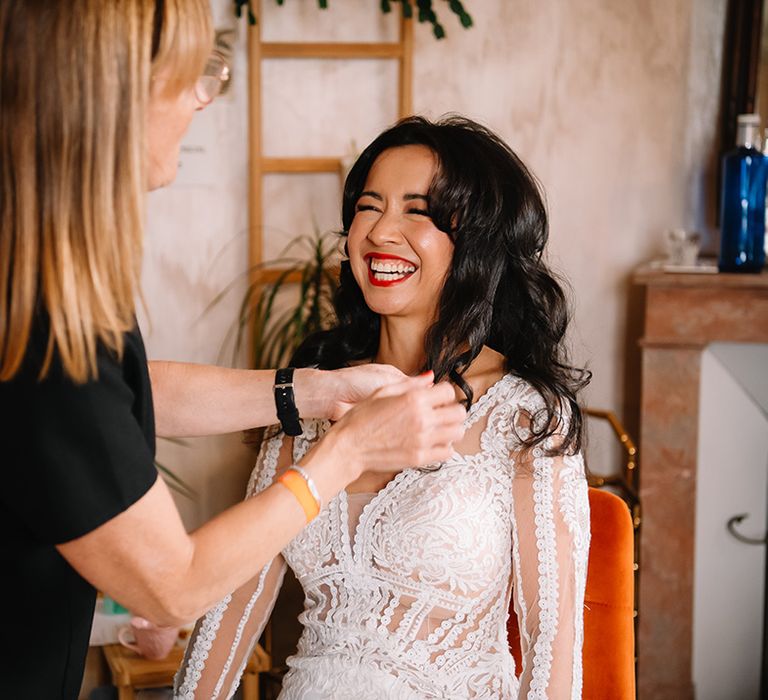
285 402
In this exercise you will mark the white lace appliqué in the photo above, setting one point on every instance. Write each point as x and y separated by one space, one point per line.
189 674
407 590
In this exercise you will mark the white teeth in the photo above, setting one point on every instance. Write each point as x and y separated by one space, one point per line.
391 267
388 276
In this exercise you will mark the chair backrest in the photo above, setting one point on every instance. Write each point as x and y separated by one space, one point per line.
609 651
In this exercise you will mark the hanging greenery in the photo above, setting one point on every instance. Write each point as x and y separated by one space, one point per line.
424 9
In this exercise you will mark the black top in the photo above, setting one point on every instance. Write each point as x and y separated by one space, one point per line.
71 458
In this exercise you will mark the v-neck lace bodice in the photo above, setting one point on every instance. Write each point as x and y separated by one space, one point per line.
407 590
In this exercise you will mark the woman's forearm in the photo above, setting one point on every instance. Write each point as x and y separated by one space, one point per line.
192 400
145 559
265 524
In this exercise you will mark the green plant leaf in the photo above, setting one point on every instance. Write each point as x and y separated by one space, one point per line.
278 262
426 12
274 334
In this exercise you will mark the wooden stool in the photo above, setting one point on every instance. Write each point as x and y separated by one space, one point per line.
131 672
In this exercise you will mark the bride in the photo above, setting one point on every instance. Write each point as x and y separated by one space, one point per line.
408 577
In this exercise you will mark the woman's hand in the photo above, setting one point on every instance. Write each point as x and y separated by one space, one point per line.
408 424
331 393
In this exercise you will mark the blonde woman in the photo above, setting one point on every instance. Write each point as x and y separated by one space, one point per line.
94 99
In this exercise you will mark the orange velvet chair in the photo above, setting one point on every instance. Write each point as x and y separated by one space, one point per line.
609 647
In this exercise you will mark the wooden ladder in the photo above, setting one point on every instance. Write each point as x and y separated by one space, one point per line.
259 165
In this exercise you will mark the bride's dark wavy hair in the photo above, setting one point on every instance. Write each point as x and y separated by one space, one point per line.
498 292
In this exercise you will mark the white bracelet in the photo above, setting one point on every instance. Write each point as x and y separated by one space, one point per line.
310 484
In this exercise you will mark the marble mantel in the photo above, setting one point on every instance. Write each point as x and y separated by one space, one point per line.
683 314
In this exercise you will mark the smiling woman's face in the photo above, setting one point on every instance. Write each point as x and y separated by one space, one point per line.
398 256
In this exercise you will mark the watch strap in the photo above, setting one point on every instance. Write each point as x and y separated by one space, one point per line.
285 402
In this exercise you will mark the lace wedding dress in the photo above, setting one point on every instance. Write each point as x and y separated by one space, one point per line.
407 590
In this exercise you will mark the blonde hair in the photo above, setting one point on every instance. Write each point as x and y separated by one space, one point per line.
75 80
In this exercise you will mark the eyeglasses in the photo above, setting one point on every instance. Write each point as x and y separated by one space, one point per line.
214 79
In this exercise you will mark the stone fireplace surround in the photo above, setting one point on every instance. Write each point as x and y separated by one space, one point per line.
683 313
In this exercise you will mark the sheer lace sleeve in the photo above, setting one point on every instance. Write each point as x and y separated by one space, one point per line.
550 534
225 637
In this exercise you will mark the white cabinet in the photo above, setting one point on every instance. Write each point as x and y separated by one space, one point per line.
732 478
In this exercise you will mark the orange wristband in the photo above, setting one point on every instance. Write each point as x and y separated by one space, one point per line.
298 486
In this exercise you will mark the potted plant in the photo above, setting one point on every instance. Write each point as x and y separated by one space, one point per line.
308 267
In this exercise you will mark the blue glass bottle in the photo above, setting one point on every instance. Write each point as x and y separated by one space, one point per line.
742 211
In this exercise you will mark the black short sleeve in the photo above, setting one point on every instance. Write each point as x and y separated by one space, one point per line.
75 455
